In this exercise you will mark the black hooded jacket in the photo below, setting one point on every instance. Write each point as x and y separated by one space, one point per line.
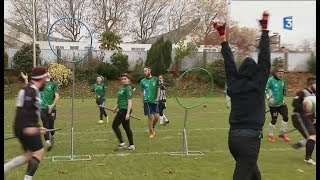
246 86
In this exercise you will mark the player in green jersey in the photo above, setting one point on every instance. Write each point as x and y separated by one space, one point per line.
48 110
275 93
150 95
99 89
123 109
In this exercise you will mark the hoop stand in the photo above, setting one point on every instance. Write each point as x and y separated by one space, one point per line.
72 157
185 150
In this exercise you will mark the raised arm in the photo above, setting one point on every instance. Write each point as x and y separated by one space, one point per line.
229 64
264 46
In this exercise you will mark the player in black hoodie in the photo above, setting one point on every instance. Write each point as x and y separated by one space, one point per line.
246 88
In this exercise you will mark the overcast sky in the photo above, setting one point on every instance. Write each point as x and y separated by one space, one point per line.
247 13
303 13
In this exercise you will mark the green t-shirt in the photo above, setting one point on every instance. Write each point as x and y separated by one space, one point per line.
150 86
48 94
100 90
276 89
124 93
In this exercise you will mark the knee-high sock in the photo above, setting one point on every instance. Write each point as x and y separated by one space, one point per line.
17 161
161 119
309 148
284 126
270 129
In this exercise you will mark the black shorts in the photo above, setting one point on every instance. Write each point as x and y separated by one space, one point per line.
283 110
48 117
30 143
307 122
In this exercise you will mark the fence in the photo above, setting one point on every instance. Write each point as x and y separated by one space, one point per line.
294 61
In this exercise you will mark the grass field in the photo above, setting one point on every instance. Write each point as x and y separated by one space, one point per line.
206 129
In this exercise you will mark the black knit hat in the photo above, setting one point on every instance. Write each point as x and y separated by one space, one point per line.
38 73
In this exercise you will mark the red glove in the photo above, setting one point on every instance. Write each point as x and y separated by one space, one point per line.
264 21
220 28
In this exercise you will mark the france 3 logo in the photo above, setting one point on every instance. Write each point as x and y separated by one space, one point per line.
287 22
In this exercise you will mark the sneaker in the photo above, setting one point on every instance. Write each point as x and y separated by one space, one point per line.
165 123
121 145
100 121
151 135
284 137
297 145
310 161
131 147
271 138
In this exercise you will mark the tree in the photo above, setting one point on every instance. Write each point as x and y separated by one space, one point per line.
182 51
150 15
109 15
159 56
242 37
70 29
23 58
208 10
120 61
179 13
21 17
109 40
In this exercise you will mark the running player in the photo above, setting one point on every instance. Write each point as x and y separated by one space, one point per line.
305 121
26 126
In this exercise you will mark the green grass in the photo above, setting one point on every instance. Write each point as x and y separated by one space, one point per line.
206 129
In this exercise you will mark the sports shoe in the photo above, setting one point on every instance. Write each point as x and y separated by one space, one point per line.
100 121
271 138
284 137
151 135
165 123
121 145
297 145
310 161
131 147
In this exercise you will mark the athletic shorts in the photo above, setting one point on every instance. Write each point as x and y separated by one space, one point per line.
150 108
307 122
283 110
100 102
30 143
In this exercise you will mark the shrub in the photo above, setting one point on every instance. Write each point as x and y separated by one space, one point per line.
108 71
159 56
169 80
120 61
277 63
23 58
312 66
5 59
60 73
137 72
216 68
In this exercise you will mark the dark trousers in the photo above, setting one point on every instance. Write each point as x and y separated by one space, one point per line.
245 150
100 103
48 122
121 119
162 106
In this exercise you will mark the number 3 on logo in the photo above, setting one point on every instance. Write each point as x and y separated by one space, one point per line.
287 22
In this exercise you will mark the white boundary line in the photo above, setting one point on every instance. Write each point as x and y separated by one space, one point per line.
158 130
125 153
